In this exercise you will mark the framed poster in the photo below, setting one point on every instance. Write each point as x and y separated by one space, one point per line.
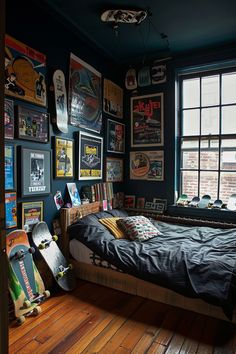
32 213
147 120
64 158
140 204
90 156
32 125
114 169
115 137
85 99
36 172
9 118
10 171
25 70
10 210
147 165
112 99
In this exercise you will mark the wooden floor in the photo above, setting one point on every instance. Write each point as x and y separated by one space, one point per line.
95 319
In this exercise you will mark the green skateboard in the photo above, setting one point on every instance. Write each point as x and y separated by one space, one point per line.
26 286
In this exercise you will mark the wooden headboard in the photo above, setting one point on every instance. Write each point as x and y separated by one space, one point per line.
69 216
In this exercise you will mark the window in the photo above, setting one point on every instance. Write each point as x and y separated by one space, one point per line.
207 133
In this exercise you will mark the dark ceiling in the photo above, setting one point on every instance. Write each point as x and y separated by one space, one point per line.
188 25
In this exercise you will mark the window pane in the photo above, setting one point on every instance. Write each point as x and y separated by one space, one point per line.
229 88
190 154
209 154
208 184
227 185
191 93
191 122
189 180
228 154
229 120
210 121
210 90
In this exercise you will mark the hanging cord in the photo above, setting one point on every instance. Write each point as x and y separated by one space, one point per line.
145 39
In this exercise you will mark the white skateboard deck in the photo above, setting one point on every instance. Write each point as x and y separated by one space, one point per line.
60 101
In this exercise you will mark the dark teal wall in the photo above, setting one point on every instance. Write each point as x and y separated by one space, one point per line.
31 24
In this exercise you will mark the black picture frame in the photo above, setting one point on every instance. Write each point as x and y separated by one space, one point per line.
10 167
32 124
115 137
35 172
9 119
63 158
31 214
90 164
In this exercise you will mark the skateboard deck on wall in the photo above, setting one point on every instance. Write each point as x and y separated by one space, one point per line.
25 283
58 265
60 101
130 79
144 78
123 16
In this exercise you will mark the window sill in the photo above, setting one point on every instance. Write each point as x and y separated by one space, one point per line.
222 215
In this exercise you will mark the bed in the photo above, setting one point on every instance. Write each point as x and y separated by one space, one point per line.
202 279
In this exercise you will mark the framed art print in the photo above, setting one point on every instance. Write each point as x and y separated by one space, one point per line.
112 99
36 172
10 210
10 171
115 137
147 165
32 125
32 213
147 120
114 169
9 118
129 201
64 158
90 156
85 98
25 71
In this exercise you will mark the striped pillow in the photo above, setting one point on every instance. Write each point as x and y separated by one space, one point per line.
112 226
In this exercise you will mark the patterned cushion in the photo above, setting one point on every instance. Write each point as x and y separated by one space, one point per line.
138 228
112 226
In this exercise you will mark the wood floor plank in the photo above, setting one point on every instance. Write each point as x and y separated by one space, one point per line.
124 312
191 342
156 348
168 326
130 326
208 336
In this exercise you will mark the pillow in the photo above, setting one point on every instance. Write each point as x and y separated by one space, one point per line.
138 228
112 226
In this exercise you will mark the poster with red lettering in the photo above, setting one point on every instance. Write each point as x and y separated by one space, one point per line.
147 120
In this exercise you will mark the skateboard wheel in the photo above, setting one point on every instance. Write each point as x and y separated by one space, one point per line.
46 294
27 304
42 246
54 237
31 250
37 310
20 320
60 275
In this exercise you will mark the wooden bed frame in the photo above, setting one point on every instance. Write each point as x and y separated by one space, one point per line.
130 284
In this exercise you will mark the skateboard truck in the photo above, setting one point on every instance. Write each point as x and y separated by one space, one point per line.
63 271
21 253
46 243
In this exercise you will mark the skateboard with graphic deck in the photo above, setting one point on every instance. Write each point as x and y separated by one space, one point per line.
25 283
47 246
182 200
205 201
60 101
